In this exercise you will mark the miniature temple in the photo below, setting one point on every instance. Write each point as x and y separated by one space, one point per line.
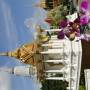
58 57
55 55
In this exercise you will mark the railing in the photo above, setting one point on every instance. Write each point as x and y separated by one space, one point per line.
71 53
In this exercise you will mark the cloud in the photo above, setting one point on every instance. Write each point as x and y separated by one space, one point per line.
8 22
4 81
37 19
40 14
30 23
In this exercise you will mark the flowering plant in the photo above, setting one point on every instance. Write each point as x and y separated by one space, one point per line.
70 29
71 26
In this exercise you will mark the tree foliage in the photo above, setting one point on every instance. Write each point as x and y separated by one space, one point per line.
54 85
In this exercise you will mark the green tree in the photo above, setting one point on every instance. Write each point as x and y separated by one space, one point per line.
54 85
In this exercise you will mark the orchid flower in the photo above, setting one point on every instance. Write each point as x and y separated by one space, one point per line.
61 35
63 23
84 5
74 27
71 31
84 19
85 37
72 17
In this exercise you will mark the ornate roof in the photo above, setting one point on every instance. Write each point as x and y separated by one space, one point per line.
26 53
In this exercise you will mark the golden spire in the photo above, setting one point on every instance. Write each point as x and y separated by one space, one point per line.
41 4
25 53
3 54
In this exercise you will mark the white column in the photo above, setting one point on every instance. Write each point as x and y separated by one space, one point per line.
76 61
53 30
53 45
52 51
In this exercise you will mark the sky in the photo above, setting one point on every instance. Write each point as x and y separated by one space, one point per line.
15 16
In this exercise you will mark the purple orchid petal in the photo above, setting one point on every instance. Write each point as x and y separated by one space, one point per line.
84 20
78 33
63 23
84 5
85 37
77 20
61 35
